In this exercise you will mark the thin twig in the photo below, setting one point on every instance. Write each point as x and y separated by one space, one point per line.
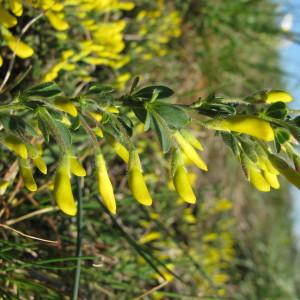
27 235
32 214
152 290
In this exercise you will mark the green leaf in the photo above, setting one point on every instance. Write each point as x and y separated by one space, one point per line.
282 135
277 110
162 131
97 88
147 92
216 109
135 82
44 128
249 149
174 115
289 173
231 142
47 89
64 133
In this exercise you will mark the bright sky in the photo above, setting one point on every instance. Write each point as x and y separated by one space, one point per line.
290 58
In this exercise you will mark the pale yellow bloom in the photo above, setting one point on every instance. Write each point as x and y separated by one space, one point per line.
76 167
15 144
253 126
189 151
105 187
136 180
257 179
21 49
66 106
149 237
62 191
27 176
6 19
16 7
277 95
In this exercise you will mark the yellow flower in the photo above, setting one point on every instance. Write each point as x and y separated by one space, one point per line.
6 19
57 20
40 164
248 125
98 131
75 167
105 187
62 191
1 61
190 152
181 179
257 179
66 106
149 237
192 139
96 116
272 180
121 151
277 96
16 7
27 175
15 144
136 180
3 186
21 49
183 186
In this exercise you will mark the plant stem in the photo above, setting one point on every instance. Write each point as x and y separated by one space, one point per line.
79 224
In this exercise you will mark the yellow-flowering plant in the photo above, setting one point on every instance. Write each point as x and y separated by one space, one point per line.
248 135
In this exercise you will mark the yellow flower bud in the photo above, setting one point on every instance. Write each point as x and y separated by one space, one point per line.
40 164
181 180
15 144
16 7
182 185
190 152
96 116
21 49
75 167
105 187
121 151
136 180
57 21
257 179
278 96
149 237
98 131
66 106
63 191
3 186
1 61
192 139
27 176
248 125
272 180
6 19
